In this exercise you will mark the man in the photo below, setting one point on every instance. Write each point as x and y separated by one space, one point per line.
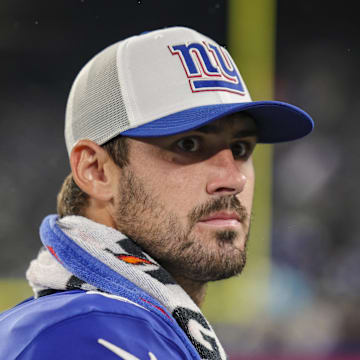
160 131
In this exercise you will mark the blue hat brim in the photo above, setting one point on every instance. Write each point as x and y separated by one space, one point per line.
276 121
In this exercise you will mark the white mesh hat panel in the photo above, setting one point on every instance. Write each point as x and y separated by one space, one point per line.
95 108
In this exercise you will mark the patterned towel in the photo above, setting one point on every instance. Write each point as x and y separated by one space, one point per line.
82 254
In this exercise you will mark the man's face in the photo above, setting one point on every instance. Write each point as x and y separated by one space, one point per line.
186 199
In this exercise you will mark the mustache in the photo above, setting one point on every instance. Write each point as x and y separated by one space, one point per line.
228 203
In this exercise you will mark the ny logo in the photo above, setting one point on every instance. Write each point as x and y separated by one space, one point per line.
209 68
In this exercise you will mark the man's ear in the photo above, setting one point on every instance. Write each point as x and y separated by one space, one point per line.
92 170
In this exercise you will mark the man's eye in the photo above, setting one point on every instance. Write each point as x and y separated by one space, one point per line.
240 149
190 144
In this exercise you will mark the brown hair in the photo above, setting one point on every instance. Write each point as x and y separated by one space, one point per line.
71 200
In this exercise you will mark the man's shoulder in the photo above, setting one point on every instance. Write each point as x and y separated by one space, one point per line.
61 306
88 323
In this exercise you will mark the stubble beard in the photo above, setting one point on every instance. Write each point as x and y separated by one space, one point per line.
179 249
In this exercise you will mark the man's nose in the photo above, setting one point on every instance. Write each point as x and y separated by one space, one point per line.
226 177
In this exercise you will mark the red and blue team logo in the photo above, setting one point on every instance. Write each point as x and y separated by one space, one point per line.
209 68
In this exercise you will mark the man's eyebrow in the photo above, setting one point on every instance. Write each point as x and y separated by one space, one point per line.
214 129
208 129
246 133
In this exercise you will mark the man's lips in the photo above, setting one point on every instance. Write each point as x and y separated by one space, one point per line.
222 219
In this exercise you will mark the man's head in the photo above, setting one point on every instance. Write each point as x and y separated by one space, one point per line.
160 130
186 198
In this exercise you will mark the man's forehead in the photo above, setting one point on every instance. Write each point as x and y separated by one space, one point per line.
234 123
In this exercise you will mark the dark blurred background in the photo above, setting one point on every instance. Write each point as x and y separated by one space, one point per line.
316 232
315 249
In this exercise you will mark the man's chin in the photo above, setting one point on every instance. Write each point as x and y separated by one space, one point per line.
224 235
215 274
228 261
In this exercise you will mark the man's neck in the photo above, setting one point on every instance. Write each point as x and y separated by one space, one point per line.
195 289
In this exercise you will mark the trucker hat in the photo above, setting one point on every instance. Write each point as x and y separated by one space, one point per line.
166 82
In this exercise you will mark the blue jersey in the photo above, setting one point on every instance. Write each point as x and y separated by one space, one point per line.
87 325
